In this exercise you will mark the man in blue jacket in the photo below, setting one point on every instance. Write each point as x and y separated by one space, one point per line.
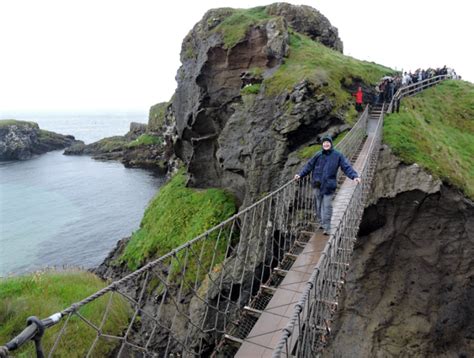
323 168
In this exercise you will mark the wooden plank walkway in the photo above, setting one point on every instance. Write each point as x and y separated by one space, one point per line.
266 333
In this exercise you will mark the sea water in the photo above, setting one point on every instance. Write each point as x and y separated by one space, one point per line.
58 210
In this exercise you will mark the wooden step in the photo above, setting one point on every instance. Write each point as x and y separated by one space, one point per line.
233 340
268 289
280 272
252 311
291 256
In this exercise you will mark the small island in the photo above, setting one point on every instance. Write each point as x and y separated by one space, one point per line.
20 140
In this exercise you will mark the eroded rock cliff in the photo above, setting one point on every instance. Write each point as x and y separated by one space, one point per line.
410 288
235 128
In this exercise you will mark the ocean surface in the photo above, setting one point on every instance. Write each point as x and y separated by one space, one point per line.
58 210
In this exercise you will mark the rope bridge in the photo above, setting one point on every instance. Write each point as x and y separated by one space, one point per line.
307 330
204 297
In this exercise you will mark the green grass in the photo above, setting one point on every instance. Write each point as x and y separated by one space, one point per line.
189 52
11 122
251 89
307 59
311 60
45 135
256 72
156 117
309 152
174 216
111 144
42 294
145 139
234 27
435 129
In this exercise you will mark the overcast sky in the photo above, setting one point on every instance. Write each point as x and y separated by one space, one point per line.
90 55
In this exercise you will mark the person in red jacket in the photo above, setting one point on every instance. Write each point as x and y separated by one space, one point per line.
359 99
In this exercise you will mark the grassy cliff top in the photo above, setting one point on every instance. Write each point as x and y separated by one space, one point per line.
174 216
307 60
14 122
43 293
237 22
312 60
435 129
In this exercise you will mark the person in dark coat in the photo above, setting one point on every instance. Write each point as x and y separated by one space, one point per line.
323 168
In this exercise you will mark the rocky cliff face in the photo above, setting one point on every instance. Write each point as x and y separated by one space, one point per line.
239 141
410 288
21 140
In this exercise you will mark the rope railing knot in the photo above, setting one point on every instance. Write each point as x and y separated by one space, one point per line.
298 308
288 331
3 352
74 308
39 326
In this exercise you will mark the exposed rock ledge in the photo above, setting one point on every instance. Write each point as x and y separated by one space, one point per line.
20 140
393 177
139 148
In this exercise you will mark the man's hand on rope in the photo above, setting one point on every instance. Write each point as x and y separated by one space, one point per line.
357 180
297 177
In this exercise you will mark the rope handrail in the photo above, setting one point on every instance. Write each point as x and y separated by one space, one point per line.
413 89
278 217
417 85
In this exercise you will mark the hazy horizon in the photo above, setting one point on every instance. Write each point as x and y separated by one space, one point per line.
79 112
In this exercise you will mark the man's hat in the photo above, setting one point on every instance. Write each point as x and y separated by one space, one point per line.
326 138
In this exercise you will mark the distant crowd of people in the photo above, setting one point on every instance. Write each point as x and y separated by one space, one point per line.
389 85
